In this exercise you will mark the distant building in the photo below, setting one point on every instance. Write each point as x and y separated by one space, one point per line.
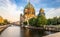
21 19
1 20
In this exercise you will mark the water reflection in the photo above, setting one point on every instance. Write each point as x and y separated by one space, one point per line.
33 33
13 31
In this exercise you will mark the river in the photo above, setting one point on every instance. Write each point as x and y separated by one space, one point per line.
12 31
16 31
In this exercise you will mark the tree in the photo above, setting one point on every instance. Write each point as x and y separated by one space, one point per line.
41 20
48 21
6 21
25 23
32 21
55 21
58 20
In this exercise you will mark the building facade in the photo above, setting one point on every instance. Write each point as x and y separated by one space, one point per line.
1 20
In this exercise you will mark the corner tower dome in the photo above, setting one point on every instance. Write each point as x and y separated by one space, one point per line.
41 11
29 9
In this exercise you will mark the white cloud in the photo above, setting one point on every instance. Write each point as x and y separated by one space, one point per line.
52 12
9 10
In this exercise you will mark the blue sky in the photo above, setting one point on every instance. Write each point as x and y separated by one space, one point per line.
38 3
11 9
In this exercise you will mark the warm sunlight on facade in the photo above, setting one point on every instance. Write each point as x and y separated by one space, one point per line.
1 20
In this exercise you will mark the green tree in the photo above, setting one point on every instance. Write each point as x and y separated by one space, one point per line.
48 21
25 23
52 21
55 21
32 21
41 20
58 20
6 21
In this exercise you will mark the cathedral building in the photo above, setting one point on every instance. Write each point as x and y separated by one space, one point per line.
29 12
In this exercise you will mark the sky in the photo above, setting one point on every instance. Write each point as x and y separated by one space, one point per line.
11 9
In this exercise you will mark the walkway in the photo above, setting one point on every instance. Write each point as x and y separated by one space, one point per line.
53 35
46 27
3 27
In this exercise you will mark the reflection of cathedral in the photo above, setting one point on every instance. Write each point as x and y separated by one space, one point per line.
29 12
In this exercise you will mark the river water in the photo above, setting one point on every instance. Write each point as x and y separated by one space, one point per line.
12 31
16 31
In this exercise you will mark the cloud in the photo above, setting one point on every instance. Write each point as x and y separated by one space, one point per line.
52 12
9 10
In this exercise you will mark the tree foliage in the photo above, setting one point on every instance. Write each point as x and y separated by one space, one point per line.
58 20
25 23
53 21
5 22
41 20
32 21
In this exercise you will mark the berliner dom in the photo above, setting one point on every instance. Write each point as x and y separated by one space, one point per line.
29 9
29 12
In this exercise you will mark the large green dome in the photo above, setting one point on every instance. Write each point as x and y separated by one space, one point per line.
29 9
29 5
